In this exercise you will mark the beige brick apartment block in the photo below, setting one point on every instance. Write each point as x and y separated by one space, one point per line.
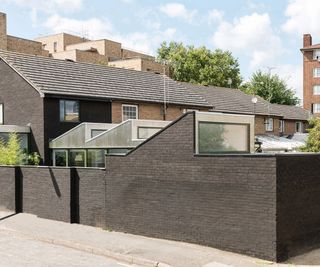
58 42
107 48
81 56
3 31
140 64
128 53
21 45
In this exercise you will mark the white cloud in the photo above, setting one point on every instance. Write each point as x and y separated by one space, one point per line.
293 75
215 16
49 6
177 10
93 27
302 17
251 36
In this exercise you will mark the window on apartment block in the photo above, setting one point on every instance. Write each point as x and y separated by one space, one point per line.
316 72
55 47
298 127
316 54
281 126
129 112
316 89
69 110
316 108
269 124
1 113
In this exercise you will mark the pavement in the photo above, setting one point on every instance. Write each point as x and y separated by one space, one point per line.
90 246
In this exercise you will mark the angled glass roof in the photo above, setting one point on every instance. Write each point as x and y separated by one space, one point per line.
127 134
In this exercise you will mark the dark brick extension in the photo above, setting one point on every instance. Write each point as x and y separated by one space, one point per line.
261 205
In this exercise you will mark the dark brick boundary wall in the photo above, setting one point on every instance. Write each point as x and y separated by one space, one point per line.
262 205
75 195
163 190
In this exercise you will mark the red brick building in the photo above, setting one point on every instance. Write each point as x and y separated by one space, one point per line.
311 75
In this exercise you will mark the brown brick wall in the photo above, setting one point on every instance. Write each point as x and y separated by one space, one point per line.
148 111
20 45
309 81
3 31
260 127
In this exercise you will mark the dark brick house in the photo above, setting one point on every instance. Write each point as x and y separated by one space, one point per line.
53 96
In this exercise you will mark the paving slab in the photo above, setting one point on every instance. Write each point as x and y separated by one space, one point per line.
134 249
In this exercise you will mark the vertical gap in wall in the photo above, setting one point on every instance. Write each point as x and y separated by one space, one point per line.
74 195
18 189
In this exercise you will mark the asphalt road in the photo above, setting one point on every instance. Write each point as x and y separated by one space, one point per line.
17 251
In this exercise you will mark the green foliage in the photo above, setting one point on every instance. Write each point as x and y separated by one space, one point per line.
34 159
200 65
271 88
313 141
11 153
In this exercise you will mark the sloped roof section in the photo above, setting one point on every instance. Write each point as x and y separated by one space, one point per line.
232 100
60 77
235 100
291 112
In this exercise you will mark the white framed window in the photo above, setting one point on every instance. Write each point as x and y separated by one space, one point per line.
316 72
129 112
316 108
298 127
316 54
1 114
316 89
269 124
281 126
185 110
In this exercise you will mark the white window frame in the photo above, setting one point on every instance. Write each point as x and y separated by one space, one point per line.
316 90
314 109
316 53
316 72
129 105
299 127
268 125
281 126
1 113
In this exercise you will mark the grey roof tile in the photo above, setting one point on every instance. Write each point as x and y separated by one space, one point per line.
236 101
53 76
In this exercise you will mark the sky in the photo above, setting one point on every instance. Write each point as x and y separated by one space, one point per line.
262 34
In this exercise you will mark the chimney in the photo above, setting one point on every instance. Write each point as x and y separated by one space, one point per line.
3 31
307 40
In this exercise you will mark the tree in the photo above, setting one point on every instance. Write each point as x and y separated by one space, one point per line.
271 88
11 153
313 141
200 65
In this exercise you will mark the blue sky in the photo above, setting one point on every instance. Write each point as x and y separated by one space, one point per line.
260 33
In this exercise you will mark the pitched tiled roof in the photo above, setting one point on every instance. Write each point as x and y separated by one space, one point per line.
291 112
236 101
232 100
60 77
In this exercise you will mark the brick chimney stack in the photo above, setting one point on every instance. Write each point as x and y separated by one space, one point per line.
3 31
307 40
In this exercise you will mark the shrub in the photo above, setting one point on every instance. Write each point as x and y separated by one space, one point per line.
313 141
